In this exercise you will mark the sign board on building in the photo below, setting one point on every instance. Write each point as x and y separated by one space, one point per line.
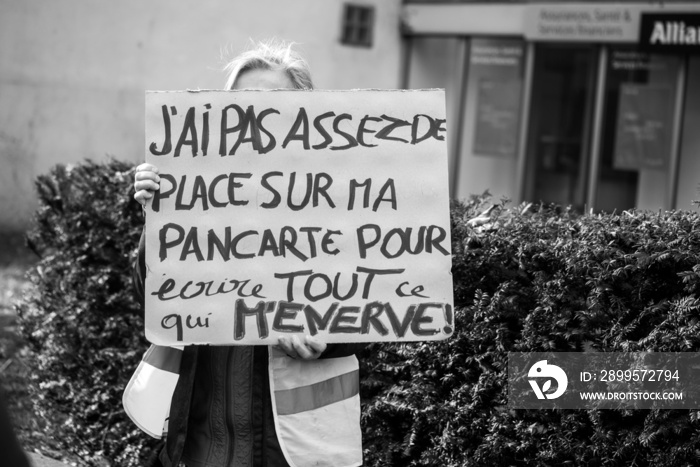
592 21
582 22
670 32
292 212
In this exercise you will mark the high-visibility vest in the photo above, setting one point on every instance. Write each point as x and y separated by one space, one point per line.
316 404
317 409
148 395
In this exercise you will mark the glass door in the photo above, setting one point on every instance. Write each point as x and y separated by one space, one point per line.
561 108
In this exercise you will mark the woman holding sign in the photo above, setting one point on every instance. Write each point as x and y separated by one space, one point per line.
294 404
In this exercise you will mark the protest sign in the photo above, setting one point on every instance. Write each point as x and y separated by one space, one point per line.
297 212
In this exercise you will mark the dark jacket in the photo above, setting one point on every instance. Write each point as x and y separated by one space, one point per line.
263 449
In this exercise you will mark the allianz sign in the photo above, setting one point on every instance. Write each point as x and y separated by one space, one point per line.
670 32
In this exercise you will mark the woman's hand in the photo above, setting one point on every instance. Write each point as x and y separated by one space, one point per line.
146 181
309 349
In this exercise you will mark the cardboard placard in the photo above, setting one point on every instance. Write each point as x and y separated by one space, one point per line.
297 212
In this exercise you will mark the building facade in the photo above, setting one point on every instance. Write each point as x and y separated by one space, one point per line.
73 74
592 105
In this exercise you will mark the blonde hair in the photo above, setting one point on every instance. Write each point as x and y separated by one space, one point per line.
271 55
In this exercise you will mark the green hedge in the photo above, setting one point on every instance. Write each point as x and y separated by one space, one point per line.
81 318
533 279
542 280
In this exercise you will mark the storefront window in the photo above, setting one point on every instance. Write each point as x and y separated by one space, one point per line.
637 131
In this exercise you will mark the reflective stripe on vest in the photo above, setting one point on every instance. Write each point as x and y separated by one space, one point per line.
317 410
313 396
164 358
147 397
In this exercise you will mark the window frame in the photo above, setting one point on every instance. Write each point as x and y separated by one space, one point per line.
357 25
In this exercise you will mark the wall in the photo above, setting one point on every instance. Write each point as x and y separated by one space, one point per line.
73 72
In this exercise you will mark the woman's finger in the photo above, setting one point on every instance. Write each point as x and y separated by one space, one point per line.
142 195
304 352
146 185
287 347
316 347
148 175
146 167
